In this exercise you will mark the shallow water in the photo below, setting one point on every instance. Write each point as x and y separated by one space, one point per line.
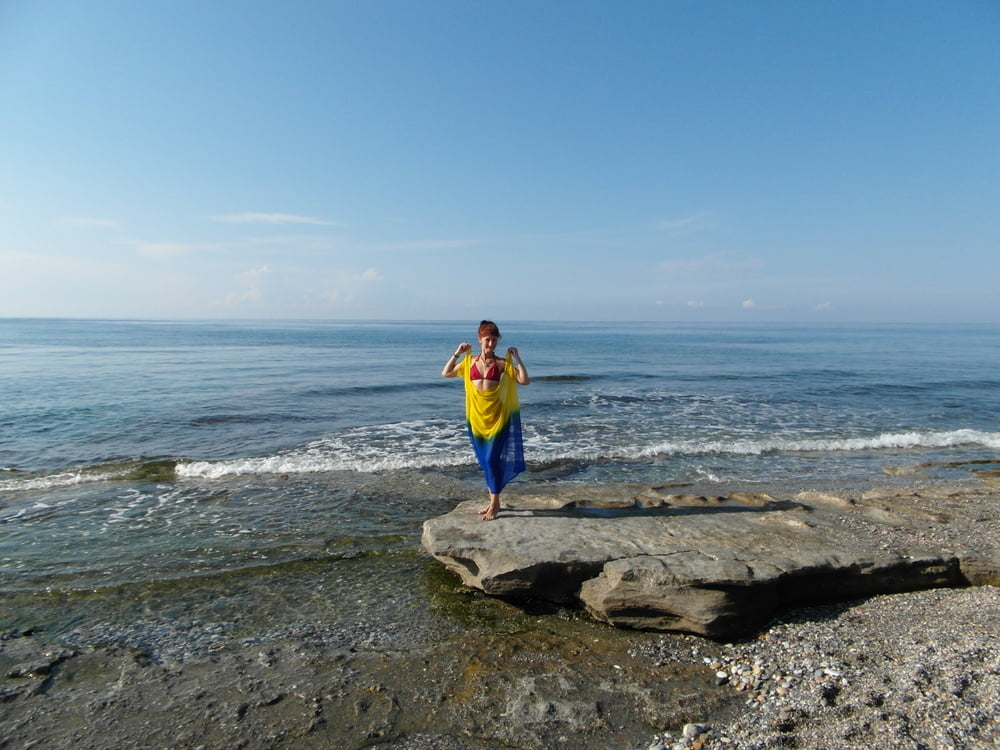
239 475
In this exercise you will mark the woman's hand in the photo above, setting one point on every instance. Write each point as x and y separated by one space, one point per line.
522 371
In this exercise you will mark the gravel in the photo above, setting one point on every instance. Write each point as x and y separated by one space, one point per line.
916 671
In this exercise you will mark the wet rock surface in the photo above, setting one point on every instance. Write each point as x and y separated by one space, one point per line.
545 682
718 566
464 671
915 670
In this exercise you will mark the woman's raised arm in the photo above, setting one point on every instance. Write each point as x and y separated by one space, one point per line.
451 366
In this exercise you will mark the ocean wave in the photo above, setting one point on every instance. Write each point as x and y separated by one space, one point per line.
137 469
293 463
563 378
378 389
260 418
444 444
883 441
404 445
408 449
54 481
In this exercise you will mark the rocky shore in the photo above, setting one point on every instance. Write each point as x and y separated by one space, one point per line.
911 671
452 669
720 566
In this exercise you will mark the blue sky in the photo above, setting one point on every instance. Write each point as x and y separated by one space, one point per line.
679 160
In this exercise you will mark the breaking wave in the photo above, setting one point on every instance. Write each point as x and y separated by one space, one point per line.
411 446
442 444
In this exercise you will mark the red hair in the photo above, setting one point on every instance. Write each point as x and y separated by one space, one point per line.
488 328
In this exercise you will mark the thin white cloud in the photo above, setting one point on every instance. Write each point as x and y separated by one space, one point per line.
250 282
824 306
369 274
349 287
164 251
710 265
751 304
425 245
696 304
687 224
85 222
298 241
251 217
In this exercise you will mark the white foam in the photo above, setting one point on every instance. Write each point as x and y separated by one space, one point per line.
54 481
412 446
406 445
750 447
428 444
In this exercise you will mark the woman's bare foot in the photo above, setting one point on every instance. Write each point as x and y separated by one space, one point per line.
492 510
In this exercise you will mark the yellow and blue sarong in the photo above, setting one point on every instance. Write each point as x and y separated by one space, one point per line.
494 420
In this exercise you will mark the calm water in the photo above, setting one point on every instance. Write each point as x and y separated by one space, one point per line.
146 467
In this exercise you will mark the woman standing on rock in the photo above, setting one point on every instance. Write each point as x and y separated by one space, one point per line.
492 410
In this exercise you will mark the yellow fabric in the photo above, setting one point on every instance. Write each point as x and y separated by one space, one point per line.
489 411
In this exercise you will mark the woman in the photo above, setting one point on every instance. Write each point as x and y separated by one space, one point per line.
492 411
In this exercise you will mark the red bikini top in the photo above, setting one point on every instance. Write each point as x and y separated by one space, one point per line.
491 374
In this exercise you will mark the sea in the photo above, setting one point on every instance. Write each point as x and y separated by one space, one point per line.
207 482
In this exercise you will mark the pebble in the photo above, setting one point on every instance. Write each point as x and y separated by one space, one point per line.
691 731
859 675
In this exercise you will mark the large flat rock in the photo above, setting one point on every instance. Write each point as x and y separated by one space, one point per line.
646 558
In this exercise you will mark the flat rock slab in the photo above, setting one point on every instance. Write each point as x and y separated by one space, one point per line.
646 558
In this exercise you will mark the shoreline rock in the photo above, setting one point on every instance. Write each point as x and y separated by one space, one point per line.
897 672
646 559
